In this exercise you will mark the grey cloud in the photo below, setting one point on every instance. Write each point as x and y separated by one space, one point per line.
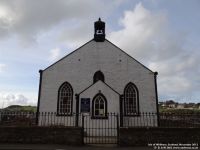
145 33
148 37
28 18
7 99
77 35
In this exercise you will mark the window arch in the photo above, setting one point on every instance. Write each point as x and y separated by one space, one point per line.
65 99
98 76
131 99
99 106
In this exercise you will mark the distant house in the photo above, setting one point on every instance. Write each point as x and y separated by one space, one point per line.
180 106
170 104
190 105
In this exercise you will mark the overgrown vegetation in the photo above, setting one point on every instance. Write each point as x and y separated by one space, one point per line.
179 111
18 108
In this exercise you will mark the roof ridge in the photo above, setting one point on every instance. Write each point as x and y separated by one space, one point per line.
68 54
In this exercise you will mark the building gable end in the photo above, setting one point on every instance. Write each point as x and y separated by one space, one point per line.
129 56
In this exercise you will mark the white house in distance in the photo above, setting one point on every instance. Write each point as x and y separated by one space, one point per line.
96 79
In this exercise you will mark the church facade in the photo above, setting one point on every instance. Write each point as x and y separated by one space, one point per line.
96 79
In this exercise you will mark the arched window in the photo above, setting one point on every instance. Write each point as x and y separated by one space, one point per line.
99 105
65 99
131 98
98 76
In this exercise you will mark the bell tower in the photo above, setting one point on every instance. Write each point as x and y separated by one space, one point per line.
99 31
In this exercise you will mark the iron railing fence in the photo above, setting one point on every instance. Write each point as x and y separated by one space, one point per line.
53 119
138 120
17 118
179 119
101 129
162 120
34 119
142 119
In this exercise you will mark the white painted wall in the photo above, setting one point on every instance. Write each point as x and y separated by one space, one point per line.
111 96
79 67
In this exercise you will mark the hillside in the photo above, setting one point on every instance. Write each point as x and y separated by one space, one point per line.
19 108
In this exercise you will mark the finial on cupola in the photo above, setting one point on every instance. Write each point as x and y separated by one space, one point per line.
99 31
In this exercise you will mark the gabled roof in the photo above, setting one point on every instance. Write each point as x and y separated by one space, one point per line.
107 41
130 56
68 54
96 83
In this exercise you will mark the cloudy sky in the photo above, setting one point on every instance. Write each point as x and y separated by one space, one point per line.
161 34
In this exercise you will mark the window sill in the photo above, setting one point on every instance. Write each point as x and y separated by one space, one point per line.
98 117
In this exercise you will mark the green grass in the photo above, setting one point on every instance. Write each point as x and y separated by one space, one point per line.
18 108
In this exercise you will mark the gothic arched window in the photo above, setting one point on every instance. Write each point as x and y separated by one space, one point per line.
65 99
98 76
99 106
131 98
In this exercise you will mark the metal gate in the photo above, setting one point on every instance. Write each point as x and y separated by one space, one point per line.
100 130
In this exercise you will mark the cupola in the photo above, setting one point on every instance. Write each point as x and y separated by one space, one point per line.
99 31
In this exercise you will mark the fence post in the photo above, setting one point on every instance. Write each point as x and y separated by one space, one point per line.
117 128
77 109
82 129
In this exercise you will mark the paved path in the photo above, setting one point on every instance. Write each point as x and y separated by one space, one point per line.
64 147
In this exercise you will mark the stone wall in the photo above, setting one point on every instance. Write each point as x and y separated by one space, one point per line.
41 135
74 135
145 136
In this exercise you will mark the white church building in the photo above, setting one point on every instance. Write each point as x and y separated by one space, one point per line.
96 79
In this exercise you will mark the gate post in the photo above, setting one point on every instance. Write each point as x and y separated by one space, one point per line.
77 109
121 110
117 129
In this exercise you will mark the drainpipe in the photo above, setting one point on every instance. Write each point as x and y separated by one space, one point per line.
39 95
77 109
156 92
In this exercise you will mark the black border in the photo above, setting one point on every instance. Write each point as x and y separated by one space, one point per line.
67 114
39 95
77 109
156 92
106 107
121 110
137 111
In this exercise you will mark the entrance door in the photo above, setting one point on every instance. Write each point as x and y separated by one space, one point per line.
101 131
